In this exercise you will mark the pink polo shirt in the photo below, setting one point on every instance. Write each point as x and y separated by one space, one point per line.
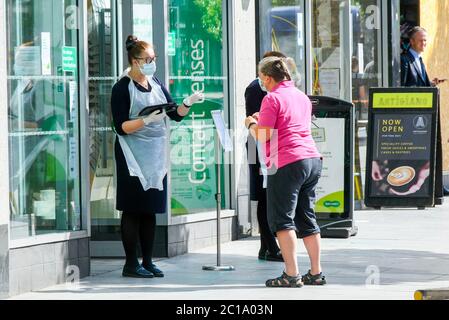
289 111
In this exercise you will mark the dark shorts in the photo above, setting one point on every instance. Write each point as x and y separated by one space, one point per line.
291 197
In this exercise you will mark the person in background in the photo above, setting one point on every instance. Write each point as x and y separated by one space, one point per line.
269 249
141 154
294 164
413 69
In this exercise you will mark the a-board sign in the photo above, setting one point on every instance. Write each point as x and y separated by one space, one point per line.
333 133
401 147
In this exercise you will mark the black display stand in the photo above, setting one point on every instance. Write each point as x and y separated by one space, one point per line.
339 225
404 160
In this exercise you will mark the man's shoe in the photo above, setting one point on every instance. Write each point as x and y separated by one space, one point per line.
262 254
154 270
445 191
274 257
136 272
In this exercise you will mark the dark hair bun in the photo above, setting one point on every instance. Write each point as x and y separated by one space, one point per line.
130 42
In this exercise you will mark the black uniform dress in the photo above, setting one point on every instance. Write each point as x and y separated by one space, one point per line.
131 197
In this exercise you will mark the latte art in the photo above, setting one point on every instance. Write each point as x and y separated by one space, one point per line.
401 176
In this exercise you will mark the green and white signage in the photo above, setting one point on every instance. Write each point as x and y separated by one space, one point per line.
69 59
329 134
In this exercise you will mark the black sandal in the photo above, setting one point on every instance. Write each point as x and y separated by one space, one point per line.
285 281
314 280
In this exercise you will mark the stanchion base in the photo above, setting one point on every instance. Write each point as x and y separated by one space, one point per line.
218 268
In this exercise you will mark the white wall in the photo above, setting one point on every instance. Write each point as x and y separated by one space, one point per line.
243 72
4 177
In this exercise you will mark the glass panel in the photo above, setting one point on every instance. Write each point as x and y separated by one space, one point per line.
105 220
196 63
327 44
366 69
366 73
282 29
142 20
43 116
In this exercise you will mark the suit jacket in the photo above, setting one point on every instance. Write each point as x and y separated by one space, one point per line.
410 72
253 101
253 98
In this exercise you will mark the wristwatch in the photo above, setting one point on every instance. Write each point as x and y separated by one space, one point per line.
249 126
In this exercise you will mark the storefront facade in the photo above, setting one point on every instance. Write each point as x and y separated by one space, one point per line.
60 63
57 208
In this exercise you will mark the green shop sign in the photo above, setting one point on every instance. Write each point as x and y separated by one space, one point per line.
69 59
171 45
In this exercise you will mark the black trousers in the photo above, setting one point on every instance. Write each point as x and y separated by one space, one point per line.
138 228
267 239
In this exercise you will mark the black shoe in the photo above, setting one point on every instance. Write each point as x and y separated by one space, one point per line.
136 272
262 254
274 257
445 191
154 270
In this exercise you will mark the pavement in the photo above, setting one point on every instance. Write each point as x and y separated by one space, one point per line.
395 253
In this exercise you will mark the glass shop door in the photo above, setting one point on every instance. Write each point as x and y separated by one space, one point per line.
109 23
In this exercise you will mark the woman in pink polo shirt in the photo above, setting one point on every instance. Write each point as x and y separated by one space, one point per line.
294 167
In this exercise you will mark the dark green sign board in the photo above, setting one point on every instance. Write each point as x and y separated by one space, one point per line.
195 50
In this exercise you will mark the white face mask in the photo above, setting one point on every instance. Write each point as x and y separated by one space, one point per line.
148 69
261 85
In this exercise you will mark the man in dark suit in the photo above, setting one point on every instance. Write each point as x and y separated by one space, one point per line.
413 69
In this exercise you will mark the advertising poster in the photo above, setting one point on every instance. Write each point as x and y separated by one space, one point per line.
401 157
330 82
329 136
193 166
401 151
196 64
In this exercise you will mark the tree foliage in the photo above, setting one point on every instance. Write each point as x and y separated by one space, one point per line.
211 18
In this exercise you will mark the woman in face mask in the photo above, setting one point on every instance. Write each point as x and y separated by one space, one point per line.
294 165
254 94
141 154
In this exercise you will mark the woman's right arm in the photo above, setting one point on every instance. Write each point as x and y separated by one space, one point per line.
132 126
120 105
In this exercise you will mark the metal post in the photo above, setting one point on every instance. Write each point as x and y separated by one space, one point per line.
218 195
218 153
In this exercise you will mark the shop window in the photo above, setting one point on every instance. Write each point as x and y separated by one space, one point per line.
281 28
43 116
366 67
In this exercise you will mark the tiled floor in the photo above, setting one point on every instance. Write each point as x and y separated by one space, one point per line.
395 253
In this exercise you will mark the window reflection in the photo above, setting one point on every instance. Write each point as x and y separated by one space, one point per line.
43 118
